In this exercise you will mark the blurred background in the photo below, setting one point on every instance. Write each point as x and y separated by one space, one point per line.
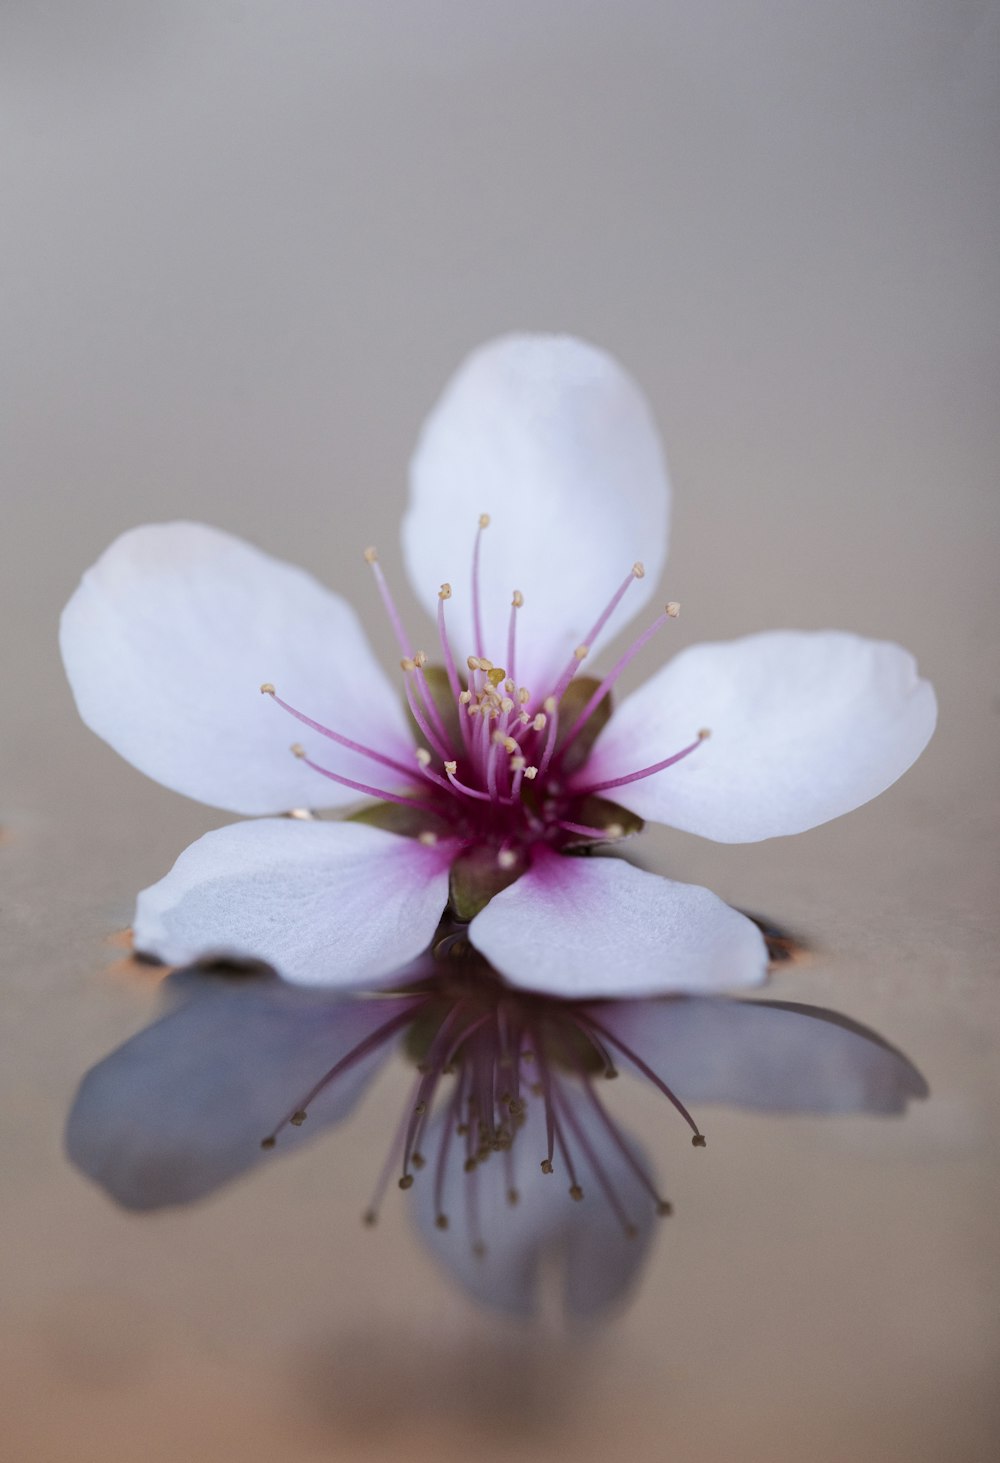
242 246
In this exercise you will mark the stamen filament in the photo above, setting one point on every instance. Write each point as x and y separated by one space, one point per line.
379 793
338 737
643 771
670 613
390 605
636 572
477 621
439 743
657 1081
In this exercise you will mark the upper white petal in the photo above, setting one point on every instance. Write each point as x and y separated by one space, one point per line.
327 904
580 927
764 1055
182 1107
551 438
804 727
166 643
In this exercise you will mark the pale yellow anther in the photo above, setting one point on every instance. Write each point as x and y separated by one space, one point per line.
549 705
673 609
506 858
423 756
297 749
484 520
420 659
407 664
371 555
474 709
508 686
496 675
451 768
509 745
615 830
267 689
444 592
639 569
517 764
524 695
540 721
506 705
581 652
517 599
704 734
427 838
487 665
531 773
472 661
464 697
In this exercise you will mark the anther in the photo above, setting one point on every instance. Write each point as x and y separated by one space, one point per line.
267 688
506 706
444 592
517 764
465 697
268 1142
420 1108
512 1197
442 1221
639 569
546 1165
406 1182
427 838
451 768
615 830
509 687
698 1141
298 1118
369 1218
549 705
704 734
423 756
472 661
507 858
469 1165
484 520
581 652
371 556
531 773
664 1209
523 695
420 659
672 608
297 749
540 721
576 1192
418 1160
517 599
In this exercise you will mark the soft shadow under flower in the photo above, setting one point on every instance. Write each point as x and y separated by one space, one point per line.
515 1158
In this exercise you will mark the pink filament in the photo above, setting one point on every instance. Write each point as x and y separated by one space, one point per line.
637 776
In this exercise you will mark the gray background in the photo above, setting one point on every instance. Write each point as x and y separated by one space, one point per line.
243 245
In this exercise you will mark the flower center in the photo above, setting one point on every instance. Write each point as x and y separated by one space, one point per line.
500 763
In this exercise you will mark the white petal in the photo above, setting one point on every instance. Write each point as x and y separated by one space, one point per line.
597 1262
167 641
553 440
326 904
765 1055
803 726
182 1107
581 927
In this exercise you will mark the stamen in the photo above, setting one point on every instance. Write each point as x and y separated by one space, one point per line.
644 771
609 834
670 612
663 1206
371 557
267 689
437 738
517 600
636 572
598 1169
552 712
477 622
373 792
699 1138
472 792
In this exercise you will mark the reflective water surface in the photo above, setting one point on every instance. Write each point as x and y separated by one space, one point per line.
244 245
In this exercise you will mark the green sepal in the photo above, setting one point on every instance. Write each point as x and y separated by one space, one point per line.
398 818
444 700
475 877
575 698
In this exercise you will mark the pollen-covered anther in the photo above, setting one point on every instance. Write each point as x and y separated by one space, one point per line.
517 599
539 721
581 652
407 663
298 1118
444 592
698 1141
427 838
423 756
418 1160
549 705
509 687
268 1142
517 764
484 520
496 675
406 1182
506 705
508 743
464 697
451 768
546 1165
664 1208
507 858
576 1192
472 661
441 1221
531 773
704 733
638 570
615 830
672 608
267 688
470 1165
371 555
297 749
523 695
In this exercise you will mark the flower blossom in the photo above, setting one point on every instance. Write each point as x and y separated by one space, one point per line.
537 482
506 1138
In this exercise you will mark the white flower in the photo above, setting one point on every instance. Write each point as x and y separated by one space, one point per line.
537 482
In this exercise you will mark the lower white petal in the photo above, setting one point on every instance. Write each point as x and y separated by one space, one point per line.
167 642
326 904
804 727
580 927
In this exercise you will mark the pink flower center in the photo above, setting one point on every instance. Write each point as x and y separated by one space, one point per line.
501 763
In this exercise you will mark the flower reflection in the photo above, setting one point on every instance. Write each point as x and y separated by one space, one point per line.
513 1154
